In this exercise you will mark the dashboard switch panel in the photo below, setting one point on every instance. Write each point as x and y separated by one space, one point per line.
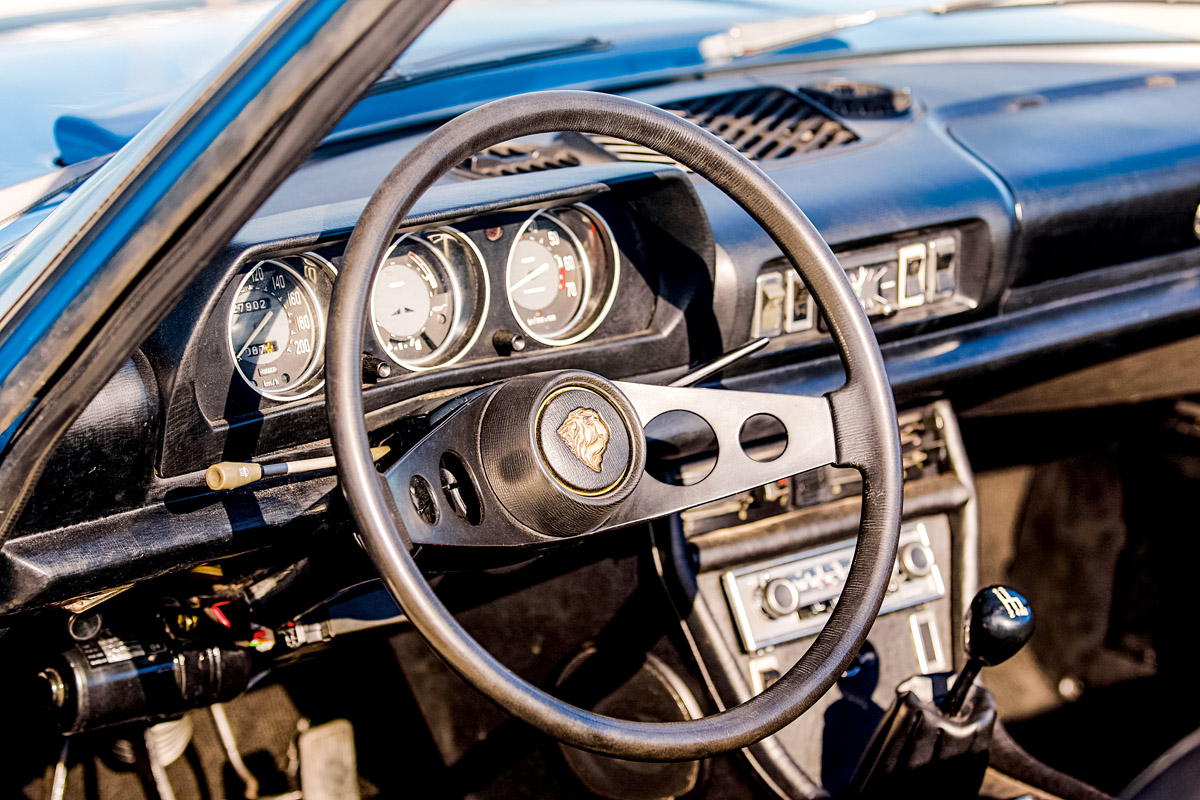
910 278
790 598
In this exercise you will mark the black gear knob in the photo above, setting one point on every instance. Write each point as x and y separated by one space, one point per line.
999 622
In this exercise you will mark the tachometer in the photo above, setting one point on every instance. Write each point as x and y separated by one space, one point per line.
562 275
276 330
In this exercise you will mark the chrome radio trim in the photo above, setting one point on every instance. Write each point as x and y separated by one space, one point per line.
740 593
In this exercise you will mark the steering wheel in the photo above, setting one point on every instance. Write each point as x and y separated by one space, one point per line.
556 456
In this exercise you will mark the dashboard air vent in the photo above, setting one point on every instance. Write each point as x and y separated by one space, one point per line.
763 124
517 157
858 100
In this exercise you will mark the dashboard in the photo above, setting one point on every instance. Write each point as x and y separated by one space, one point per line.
982 253
591 268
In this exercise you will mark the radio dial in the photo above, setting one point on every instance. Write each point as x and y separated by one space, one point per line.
780 598
916 560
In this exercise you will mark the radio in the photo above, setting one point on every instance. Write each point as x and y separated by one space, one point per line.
790 598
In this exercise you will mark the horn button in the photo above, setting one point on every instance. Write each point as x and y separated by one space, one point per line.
561 451
583 440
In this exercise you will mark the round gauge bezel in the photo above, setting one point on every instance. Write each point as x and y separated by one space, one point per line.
594 309
317 362
462 319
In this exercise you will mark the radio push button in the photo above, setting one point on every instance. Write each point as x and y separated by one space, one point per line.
916 560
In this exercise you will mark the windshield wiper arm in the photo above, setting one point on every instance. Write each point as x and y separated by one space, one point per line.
759 37
479 59
752 38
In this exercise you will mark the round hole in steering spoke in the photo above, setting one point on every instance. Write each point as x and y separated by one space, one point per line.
424 503
763 437
681 448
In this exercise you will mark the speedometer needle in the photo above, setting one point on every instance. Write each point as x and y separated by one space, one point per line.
258 330
529 276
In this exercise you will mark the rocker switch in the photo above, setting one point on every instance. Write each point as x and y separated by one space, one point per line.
769 302
911 273
943 257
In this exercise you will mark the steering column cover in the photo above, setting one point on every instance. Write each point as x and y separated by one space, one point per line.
864 416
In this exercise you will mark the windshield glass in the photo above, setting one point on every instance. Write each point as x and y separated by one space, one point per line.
86 75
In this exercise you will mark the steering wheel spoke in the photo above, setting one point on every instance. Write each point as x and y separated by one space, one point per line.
440 493
556 456
808 428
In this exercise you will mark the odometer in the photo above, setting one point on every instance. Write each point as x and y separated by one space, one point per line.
276 328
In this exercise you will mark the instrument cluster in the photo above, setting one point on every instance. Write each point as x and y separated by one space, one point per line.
432 297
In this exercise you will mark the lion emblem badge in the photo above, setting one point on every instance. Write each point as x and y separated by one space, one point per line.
586 435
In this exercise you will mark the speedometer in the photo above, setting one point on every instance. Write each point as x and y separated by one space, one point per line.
549 278
276 329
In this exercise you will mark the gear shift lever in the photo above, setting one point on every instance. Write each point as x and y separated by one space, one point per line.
999 623
918 744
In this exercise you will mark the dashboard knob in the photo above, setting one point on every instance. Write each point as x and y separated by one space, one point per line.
916 560
780 598
507 343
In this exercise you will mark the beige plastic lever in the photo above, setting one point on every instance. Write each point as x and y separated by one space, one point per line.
225 475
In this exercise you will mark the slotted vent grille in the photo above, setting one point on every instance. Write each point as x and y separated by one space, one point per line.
516 158
763 124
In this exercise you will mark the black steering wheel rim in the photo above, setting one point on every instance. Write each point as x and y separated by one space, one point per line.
863 412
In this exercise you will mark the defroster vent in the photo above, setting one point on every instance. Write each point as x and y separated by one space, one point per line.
763 124
516 157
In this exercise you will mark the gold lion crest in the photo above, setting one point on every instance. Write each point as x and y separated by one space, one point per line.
586 435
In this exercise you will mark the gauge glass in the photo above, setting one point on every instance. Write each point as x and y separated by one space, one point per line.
415 303
549 278
275 329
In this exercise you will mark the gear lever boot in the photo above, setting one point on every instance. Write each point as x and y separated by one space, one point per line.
934 738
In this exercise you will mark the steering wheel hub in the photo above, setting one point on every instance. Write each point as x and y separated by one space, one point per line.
583 441
561 451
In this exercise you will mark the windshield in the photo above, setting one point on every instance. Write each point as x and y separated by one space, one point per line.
87 75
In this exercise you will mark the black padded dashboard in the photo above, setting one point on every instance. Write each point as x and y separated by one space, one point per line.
1043 285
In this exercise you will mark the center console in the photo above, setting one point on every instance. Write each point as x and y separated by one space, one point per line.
754 577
